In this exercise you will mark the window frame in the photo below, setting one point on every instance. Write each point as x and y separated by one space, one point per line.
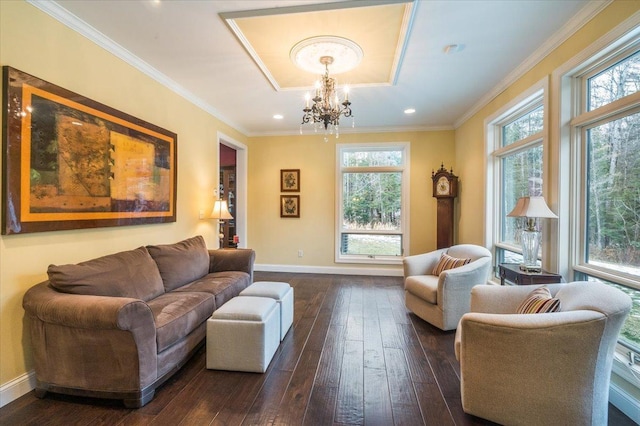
580 121
527 102
572 118
404 169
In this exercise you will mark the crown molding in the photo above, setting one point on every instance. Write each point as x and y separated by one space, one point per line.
76 24
570 28
351 131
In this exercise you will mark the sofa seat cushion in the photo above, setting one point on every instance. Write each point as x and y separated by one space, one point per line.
423 286
130 273
182 262
178 314
224 286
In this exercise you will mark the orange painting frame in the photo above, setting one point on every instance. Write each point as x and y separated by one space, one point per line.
70 162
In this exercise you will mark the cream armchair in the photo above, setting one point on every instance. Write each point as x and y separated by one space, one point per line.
540 369
442 300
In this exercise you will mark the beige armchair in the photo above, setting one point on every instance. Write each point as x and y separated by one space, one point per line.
442 300
540 369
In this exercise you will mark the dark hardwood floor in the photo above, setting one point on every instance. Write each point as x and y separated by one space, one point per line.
354 356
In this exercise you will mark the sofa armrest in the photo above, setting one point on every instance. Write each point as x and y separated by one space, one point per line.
421 264
91 342
86 311
232 260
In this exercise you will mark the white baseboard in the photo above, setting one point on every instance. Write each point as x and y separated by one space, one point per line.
17 387
624 402
388 272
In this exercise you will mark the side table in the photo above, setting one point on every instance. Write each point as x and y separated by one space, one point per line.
512 273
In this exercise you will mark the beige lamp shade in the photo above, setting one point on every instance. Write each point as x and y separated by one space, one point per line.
532 207
220 210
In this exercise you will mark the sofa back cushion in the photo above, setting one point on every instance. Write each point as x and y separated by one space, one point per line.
126 274
182 262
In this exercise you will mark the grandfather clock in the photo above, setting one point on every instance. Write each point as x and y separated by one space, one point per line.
445 189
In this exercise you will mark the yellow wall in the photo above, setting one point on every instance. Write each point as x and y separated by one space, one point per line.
277 240
33 42
470 148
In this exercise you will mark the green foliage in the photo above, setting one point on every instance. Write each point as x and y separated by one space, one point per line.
372 199
613 169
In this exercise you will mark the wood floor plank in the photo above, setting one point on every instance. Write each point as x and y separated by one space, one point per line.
265 407
404 402
350 402
328 374
432 405
321 407
354 356
297 395
377 403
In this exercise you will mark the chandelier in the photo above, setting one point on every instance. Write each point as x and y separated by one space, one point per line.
324 109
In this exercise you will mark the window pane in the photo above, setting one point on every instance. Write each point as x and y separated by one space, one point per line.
613 198
630 332
371 158
521 177
371 244
523 127
372 201
615 82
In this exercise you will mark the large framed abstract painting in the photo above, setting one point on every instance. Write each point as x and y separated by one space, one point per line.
70 162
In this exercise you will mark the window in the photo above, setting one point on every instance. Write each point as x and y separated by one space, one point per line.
605 135
515 138
372 206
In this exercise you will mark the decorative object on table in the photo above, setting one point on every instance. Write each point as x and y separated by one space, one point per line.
290 180
445 189
71 162
289 206
221 213
531 208
324 109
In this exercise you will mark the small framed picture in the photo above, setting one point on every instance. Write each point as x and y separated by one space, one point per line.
289 206
290 180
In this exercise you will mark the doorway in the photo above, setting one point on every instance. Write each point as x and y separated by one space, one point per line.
232 160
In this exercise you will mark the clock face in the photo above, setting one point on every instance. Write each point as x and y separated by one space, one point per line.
442 188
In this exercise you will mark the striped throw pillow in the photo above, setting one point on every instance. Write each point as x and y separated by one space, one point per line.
539 301
448 262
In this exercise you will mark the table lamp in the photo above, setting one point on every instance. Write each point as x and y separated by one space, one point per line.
221 213
531 208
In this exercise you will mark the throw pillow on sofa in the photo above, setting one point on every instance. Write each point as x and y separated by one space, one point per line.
447 262
539 301
126 274
182 262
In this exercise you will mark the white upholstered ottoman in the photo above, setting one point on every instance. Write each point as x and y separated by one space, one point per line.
243 334
279 291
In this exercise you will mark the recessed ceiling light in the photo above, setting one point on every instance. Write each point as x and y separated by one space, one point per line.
409 110
453 48
278 116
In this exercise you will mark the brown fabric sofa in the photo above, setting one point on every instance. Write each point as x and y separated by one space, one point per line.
120 325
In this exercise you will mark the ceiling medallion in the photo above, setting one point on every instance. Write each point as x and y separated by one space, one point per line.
315 55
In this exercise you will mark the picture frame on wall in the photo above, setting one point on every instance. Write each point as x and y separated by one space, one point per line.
290 180
71 162
289 206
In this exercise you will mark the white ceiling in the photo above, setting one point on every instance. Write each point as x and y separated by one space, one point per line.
187 46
